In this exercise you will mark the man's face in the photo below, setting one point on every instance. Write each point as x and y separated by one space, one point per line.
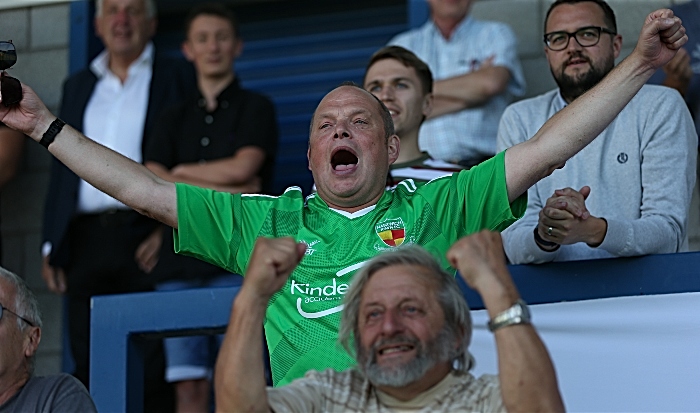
349 156
125 27
212 45
450 9
577 69
402 339
400 89
12 339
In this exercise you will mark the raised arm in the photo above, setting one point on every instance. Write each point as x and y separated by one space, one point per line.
570 130
239 382
108 171
527 377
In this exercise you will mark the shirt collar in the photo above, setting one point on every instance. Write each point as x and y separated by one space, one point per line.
462 28
560 102
100 64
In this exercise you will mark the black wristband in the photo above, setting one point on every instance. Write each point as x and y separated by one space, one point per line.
51 133
549 246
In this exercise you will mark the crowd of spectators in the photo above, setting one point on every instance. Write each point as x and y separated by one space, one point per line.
426 152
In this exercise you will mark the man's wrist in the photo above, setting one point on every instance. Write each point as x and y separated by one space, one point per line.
544 245
600 229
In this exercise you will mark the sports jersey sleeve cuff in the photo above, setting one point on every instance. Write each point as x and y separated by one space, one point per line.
180 233
519 206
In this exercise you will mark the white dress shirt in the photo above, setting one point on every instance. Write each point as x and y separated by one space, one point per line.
114 117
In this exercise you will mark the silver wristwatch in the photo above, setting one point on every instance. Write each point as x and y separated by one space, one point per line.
519 313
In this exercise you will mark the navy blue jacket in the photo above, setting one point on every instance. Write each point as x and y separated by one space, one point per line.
171 81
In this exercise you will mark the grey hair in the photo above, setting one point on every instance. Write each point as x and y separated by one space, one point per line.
150 8
458 320
26 304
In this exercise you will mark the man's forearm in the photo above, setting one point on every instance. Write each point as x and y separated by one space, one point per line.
239 169
239 380
527 376
574 127
474 88
113 173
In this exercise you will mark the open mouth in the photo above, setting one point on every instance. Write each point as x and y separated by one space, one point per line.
343 160
395 349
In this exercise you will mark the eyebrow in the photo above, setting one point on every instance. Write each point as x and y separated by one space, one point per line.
403 301
358 111
392 80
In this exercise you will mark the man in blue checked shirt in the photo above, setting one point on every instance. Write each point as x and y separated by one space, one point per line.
477 73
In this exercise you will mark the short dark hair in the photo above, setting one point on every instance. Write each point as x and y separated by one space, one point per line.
409 59
386 115
607 11
211 9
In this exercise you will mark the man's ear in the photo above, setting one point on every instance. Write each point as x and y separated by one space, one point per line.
31 341
308 158
187 51
96 24
238 48
427 108
617 45
393 147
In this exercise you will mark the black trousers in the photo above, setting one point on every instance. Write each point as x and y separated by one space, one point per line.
102 249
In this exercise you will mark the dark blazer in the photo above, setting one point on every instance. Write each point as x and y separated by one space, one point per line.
171 81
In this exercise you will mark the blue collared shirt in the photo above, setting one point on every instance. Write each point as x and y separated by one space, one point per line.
470 133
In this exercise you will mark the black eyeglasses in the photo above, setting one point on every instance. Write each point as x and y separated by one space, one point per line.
585 36
3 309
10 88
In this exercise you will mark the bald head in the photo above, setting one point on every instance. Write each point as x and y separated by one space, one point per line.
374 105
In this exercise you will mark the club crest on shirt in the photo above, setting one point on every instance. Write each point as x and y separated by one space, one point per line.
391 231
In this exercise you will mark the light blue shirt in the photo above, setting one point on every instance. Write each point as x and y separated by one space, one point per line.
470 133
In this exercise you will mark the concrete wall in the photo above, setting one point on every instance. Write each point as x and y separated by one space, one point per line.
41 35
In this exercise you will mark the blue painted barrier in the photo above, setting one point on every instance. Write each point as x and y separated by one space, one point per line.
121 323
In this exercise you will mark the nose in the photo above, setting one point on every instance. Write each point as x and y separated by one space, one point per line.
387 94
391 323
121 16
341 130
212 43
573 44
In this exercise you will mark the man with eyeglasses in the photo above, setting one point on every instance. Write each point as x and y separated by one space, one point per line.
20 334
628 192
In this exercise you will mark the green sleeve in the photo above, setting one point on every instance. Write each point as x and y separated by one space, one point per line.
205 225
474 199
483 196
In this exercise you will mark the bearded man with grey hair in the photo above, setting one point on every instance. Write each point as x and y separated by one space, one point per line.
20 390
407 323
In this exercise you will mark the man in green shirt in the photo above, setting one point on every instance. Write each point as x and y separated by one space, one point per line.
351 217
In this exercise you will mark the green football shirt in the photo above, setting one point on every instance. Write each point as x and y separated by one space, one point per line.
302 319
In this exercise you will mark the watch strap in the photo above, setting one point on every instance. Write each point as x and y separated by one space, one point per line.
51 133
518 313
544 245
